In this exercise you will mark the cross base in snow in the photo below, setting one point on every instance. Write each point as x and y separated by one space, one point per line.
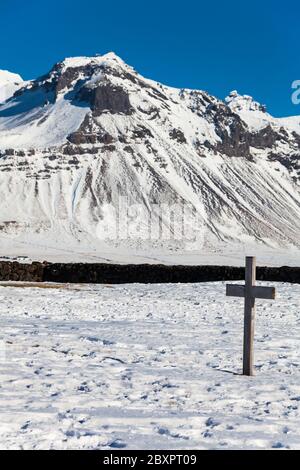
250 292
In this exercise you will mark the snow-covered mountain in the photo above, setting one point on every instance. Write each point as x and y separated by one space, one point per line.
9 83
93 130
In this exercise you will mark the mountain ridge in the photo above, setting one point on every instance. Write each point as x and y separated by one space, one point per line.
93 130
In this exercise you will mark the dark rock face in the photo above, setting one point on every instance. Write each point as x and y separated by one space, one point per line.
178 135
106 98
128 149
297 139
70 77
126 75
265 138
231 130
80 137
141 132
199 101
291 162
86 133
72 150
108 148
57 80
236 138
9 152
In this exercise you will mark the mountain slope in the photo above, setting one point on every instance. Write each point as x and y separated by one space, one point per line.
9 83
92 131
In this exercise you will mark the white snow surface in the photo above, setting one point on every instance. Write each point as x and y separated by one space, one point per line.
9 83
256 116
110 57
146 367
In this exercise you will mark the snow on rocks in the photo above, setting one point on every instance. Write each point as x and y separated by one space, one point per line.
73 62
146 367
255 114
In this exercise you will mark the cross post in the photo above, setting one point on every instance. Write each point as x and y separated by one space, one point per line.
250 292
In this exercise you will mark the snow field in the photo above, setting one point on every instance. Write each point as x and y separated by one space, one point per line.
146 367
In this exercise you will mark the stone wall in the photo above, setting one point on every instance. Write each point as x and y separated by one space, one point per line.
142 273
14 271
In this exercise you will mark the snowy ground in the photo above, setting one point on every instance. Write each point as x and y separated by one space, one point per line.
146 366
39 248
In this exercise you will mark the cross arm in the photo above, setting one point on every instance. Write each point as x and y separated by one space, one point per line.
235 290
259 292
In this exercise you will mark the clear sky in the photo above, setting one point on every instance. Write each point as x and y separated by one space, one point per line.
252 46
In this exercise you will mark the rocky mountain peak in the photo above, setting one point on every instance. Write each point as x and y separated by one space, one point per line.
74 72
241 103
110 58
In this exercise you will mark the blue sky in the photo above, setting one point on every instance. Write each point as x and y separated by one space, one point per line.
252 46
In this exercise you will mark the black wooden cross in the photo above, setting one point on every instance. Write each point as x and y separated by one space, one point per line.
250 292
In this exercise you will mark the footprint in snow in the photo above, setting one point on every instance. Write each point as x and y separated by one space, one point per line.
25 426
117 444
278 445
212 423
107 342
84 388
95 339
91 354
114 359
166 432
